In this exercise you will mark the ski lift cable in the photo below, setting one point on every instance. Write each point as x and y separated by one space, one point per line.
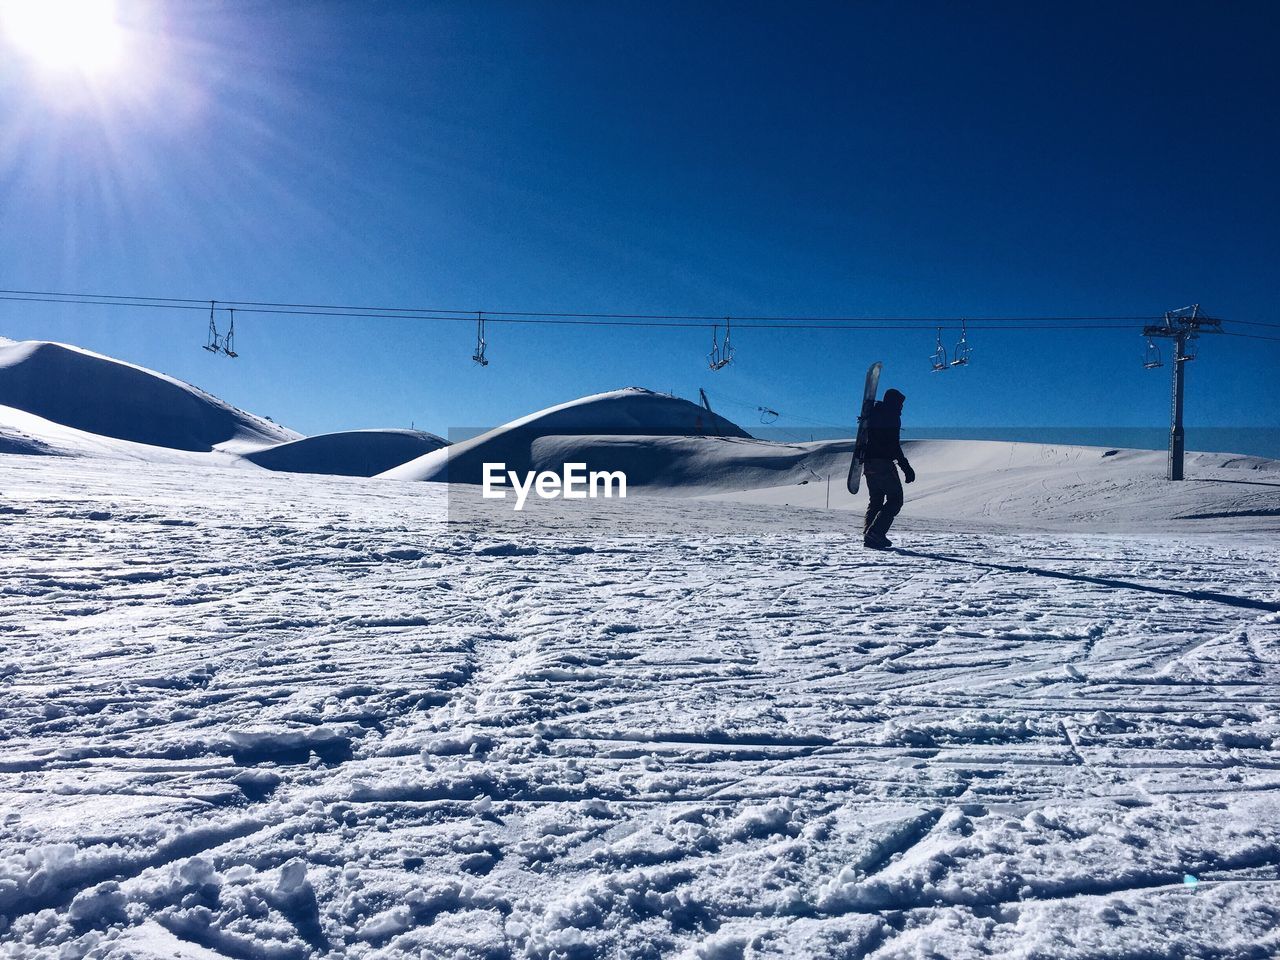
852 324
871 323
620 320
733 401
1246 336
789 436
721 397
238 304
193 303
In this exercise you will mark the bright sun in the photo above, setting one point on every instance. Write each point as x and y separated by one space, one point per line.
81 35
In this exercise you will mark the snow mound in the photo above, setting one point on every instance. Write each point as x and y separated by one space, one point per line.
694 466
26 434
1058 486
99 395
594 423
352 453
632 411
60 400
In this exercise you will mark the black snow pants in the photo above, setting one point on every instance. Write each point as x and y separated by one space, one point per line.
884 489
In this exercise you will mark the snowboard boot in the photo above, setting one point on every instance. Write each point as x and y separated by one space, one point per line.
873 542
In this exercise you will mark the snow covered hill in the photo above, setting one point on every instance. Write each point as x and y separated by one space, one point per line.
674 448
98 395
25 433
352 453
662 443
996 483
60 400
695 466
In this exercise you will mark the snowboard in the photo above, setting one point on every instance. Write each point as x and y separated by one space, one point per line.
860 444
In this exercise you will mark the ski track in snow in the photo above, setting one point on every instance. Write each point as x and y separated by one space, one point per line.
257 716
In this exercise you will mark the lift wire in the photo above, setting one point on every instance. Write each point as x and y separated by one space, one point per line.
459 314
868 323
746 404
1245 336
1032 323
701 319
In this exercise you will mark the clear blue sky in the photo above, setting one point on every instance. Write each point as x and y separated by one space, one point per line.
707 158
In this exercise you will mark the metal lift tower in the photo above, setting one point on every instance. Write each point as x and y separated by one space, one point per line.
1183 326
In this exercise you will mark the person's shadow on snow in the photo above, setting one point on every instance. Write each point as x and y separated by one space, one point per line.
1208 595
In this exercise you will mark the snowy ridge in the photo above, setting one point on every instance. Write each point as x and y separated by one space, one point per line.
1068 487
632 412
60 400
696 466
25 433
351 453
664 444
100 395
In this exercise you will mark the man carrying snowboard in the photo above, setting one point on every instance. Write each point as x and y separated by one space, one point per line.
884 447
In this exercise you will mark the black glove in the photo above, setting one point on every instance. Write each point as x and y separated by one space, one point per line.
908 474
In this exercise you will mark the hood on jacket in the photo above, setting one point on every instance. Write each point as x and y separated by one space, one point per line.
894 398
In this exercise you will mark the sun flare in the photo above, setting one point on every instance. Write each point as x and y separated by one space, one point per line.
81 35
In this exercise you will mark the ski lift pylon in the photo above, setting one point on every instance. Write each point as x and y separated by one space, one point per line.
939 358
721 355
960 355
481 343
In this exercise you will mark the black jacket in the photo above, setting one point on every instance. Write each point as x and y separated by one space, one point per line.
884 432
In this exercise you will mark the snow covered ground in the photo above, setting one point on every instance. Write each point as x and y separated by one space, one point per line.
998 484
258 715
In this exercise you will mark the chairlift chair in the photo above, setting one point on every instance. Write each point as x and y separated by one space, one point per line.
721 355
214 342
960 355
229 341
1152 359
1190 345
939 357
768 416
481 343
